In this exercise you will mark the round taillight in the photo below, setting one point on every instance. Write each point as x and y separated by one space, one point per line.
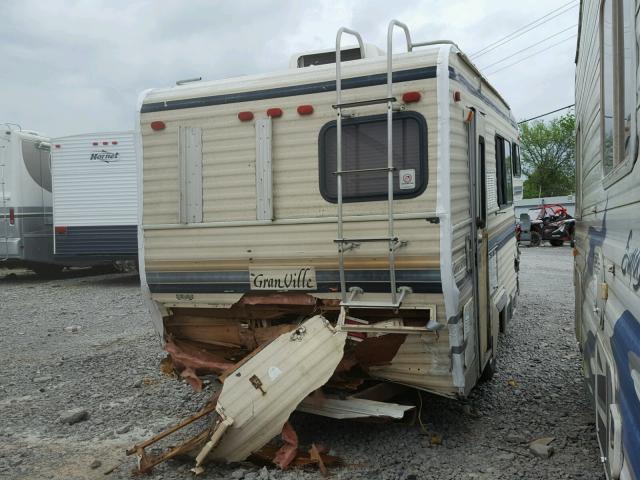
158 125
305 109
274 112
245 116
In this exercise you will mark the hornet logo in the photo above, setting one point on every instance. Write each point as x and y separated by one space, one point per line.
105 156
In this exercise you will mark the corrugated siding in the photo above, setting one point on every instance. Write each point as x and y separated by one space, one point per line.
422 361
91 192
229 175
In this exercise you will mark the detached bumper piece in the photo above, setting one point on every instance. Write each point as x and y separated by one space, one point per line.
258 396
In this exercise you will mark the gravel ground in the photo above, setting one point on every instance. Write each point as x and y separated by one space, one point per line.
85 342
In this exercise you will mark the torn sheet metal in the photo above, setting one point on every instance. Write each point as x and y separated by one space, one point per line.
350 407
258 397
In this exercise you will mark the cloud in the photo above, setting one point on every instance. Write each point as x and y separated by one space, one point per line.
78 66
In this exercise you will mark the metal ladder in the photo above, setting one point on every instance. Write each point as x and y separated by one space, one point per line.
398 294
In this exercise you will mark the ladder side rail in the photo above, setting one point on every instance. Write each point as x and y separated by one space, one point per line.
390 166
343 283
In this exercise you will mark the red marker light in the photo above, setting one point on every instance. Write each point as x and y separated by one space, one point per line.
157 126
305 109
61 230
57 145
274 112
95 143
411 97
114 142
245 116
105 143
12 216
457 96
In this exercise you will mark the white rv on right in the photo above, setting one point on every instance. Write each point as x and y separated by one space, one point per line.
607 254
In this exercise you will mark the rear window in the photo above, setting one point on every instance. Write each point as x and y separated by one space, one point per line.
364 145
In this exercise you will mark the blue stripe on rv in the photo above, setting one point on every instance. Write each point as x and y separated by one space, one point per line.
421 281
291 91
98 240
625 344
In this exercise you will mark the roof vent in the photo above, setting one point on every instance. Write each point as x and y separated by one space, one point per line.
328 56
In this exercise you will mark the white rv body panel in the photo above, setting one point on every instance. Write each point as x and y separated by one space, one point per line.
607 255
25 197
95 195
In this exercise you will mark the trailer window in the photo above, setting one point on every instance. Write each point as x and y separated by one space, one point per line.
607 94
364 146
483 184
504 174
517 169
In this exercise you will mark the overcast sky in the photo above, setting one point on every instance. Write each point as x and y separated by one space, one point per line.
78 66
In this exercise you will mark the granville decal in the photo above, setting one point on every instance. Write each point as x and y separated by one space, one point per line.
105 156
283 279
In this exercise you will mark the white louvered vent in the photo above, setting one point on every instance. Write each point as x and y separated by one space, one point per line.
492 192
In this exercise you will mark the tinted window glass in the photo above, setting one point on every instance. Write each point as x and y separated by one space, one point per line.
607 85
364 146
508 172
504 174
483 184
629 44
517 169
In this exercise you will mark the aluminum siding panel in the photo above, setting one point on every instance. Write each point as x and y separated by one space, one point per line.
93 192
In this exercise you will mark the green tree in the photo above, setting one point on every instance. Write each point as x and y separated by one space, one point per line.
548 157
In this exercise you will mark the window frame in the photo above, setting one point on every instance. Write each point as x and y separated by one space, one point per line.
622 164
483 207
501 187
423 178
515 160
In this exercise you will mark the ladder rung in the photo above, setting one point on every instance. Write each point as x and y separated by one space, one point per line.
364 304
363 103
380 329
366 239
361 170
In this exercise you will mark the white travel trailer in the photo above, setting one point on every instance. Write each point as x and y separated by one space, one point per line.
375 190
95 203
26 237
607 255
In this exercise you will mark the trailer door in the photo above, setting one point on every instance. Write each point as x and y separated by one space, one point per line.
479 232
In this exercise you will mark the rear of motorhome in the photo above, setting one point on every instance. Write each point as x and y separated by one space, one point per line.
26 237
371 191
95 203
607 254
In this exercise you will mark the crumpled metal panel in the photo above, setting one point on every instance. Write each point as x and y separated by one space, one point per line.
350 407
261 394
422 361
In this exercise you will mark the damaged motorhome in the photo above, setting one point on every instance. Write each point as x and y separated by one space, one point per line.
361 197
